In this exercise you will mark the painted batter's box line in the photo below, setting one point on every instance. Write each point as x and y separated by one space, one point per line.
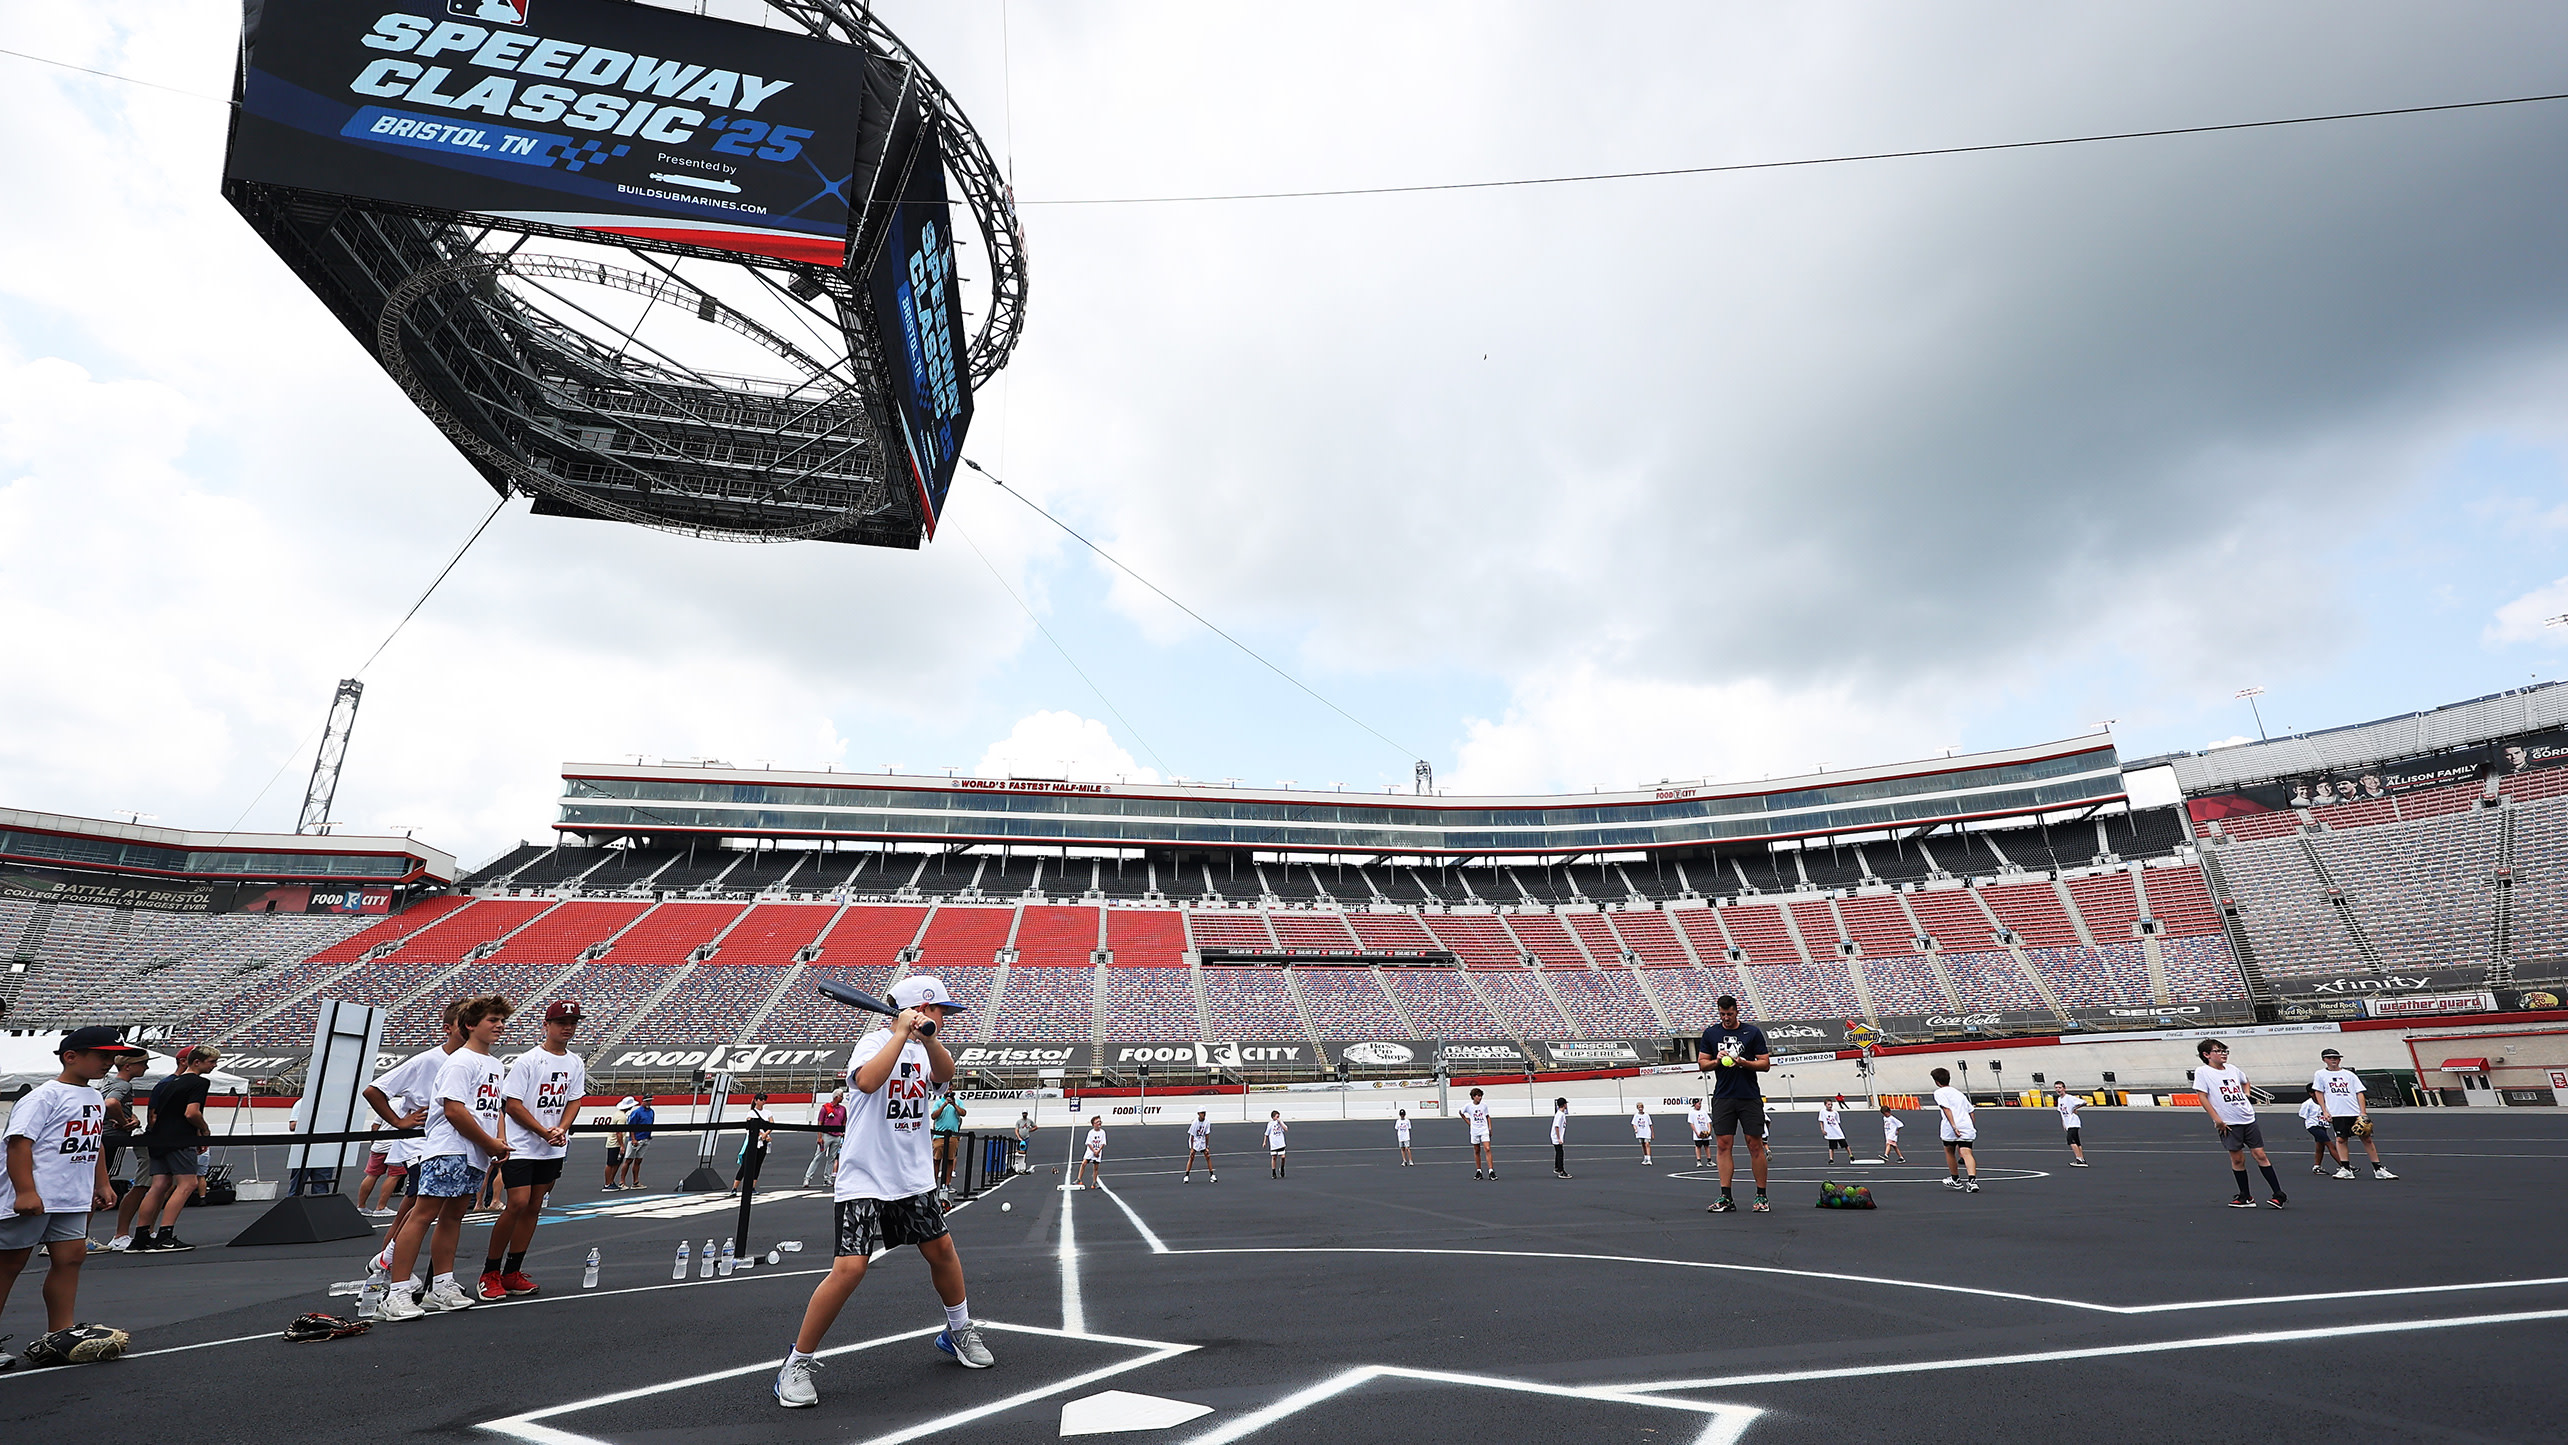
532 1425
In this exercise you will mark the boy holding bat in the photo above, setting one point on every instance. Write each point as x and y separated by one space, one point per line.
887 1183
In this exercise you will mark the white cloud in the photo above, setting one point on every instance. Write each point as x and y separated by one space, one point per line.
2231 741
1061 745
2527 618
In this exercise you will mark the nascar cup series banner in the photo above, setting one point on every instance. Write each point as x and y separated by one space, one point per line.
595 115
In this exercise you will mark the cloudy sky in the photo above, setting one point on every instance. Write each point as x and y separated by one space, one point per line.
1556 487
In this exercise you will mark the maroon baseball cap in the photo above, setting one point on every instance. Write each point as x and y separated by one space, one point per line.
563 1011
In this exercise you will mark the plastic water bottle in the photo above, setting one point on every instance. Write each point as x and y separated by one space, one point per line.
727 1259
775 1256
681 1271
704 1266
370 1299
588 1276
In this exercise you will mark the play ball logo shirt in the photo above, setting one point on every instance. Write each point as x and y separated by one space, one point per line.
65 1126
477 1082
2342 1090
1478 1115
1738 1045
886 1153
548 1084
2227 1091
409 1087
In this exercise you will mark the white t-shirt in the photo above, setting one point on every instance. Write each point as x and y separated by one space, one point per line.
1401 1127
65 1125
2227 1091
549 1085
1832 1125
408 1087
1560 1128
1478 1117
2342 1090
1958 1128
2313 1114
1640 1125
1096 1144
1700 1122
1199 1134
1274 1135
2069 1111
1890 1126
472 1080
885 1154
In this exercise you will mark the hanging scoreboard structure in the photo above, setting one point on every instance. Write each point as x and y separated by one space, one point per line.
640 264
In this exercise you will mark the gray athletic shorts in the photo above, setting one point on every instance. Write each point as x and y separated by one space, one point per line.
26 1231
866 1225
2250 1135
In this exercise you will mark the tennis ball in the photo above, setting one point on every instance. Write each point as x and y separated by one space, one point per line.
1004 1206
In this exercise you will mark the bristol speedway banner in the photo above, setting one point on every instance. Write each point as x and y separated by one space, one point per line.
1022 1056
36 885
749 1058
1597 1053
1259 1055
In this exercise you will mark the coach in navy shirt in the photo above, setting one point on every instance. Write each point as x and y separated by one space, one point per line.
1734 1053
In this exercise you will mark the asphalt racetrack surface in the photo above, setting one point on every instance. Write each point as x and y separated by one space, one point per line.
1357 1301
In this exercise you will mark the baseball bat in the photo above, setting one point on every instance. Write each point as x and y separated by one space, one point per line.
859 999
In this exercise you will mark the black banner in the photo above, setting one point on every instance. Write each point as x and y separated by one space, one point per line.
1465 1056
2322 791
1249 1056
1790 1036
918 313
1597 1053
1396 1056
628 120
39 886
2355 986
2139 1016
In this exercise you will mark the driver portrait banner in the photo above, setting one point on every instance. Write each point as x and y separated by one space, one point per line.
627 120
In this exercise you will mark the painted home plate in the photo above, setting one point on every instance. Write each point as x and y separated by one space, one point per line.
1112 1411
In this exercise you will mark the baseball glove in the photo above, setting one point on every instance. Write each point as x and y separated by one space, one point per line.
79 1345
2363 1127
307 1329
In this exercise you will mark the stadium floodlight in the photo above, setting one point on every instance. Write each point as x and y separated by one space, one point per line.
2251 694
716 294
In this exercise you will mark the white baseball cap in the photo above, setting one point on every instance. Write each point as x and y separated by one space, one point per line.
627 1102
921 989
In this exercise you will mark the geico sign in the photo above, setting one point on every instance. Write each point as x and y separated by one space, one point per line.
980 1056
2154 1013
2386 983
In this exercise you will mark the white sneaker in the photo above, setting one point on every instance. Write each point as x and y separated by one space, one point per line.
1952 1183
1185 1178
2344 1173
794 1389
398 1306
446 1298
1971 1188
120 1244
2383 1174
1216 1179
2318 1169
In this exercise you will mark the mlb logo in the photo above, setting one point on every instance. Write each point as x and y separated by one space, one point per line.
497 12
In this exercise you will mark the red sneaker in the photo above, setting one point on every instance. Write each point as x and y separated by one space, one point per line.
516 1282
491 1288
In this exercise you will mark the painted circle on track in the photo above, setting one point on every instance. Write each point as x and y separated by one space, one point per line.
1876 1174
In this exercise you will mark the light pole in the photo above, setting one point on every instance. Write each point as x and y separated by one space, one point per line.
2251 694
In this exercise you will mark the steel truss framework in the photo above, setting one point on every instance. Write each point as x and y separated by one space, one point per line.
507 351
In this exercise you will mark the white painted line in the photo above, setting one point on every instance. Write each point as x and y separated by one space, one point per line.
1074 1313
529 1426
1157 1246
2262 1337
1726 1425
2289 1299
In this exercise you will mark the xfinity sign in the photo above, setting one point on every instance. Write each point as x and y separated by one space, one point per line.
2387 983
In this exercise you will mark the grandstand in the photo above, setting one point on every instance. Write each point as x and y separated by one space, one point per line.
2269 889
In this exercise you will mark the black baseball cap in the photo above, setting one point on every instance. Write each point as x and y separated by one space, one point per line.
98 1038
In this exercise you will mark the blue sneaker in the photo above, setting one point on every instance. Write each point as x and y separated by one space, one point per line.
965 1347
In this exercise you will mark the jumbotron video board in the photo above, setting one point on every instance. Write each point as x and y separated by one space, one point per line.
918 307
591 115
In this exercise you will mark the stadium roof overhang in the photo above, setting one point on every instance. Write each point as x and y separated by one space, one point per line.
57 841
674 801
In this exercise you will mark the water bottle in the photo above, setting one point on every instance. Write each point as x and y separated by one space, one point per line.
370 1299
727 1259
704 1266
681 1271
588 1276
775 1256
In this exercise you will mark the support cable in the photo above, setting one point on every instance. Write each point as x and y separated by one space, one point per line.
1253 653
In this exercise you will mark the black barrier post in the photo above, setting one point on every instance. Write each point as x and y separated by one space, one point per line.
740 1236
